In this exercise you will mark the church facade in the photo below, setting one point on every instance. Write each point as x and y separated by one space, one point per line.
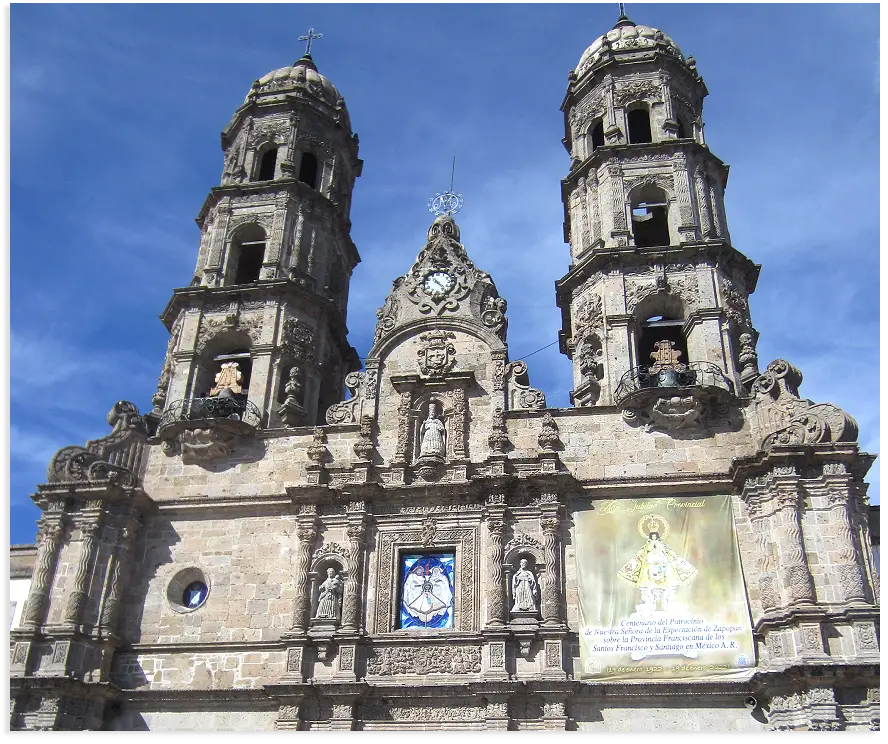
685 548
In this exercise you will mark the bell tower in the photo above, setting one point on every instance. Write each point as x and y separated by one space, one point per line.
656 296
260 334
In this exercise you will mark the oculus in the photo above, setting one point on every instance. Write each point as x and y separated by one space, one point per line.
427 591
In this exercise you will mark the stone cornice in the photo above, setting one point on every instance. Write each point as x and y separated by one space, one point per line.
617 154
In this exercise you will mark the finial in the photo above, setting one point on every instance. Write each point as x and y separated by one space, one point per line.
623 16
308 38
449 202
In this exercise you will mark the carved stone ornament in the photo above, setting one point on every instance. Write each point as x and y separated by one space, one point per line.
548 438
210 327
498 439
521 394
291 411
637 90
786 419
363 448
351 410
317 451
115 458
298 340
436 353
422 660
493 314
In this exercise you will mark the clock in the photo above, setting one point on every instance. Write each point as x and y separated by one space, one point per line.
438 283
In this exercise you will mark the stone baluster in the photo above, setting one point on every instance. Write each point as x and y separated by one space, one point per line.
50 539
850 575
351 600
122 553
796 573
82 573
551 600
495 598
307 533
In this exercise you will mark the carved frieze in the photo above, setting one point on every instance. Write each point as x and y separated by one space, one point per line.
422 660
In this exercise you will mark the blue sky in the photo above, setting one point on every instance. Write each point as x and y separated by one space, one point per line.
115 118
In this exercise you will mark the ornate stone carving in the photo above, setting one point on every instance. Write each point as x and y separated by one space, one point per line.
386 318
436 353
363 448
784 418
116 457
638 90
521 395
351 410
422 660
210 327
677 412
291 411
498 439
520 540
317 451
493 314
548 438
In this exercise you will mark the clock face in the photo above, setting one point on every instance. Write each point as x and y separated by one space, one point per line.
438 283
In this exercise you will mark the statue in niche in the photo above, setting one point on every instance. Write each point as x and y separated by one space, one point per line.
329 595
432 434
524 585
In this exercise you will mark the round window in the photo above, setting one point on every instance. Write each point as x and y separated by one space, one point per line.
188 590
195 594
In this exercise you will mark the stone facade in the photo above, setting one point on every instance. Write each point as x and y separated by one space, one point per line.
232 559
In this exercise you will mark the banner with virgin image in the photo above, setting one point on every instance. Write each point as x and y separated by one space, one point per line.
661 590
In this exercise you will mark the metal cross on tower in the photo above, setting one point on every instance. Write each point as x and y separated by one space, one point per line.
308 38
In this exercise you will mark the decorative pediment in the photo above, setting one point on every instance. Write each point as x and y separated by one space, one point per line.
443 283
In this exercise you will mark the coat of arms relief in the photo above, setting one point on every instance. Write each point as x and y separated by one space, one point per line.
437 354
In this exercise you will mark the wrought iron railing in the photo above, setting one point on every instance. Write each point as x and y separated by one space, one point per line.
673 376
201 409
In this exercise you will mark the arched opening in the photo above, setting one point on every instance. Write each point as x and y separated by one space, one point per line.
639 125
650 217
227 375
248 253
684 131
662 347
267 163
596 135
308 170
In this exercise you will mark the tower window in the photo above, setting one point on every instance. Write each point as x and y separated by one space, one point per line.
597 135
657 329
267 164
639 123
683 130
308 170
249 262
247 254
650 217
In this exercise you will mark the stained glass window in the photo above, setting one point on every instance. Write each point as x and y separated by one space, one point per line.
427 591
195 594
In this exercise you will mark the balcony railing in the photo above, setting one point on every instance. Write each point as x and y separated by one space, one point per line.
642 381
202 409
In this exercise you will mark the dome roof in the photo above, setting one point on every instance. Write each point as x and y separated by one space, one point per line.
627 36
302 75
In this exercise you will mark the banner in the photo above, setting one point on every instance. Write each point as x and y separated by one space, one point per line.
661 590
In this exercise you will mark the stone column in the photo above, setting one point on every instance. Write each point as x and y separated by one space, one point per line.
121 558
307 533
550 589
761 527
495 596
351 598
592 197
794 565
82 573
50 538
850 575
706 225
